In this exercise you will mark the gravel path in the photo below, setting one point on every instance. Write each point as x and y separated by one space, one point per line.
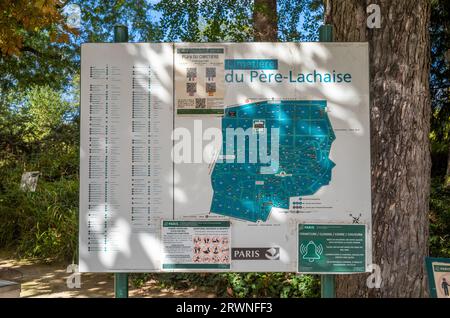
50 280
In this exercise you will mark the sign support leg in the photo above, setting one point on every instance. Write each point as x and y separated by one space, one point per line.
327 286
120 279
121 285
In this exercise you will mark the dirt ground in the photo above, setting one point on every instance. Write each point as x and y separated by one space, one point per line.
50 280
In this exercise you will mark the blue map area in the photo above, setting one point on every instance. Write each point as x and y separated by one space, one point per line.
246 190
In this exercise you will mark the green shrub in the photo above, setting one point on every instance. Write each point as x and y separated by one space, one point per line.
439 219
240 285
283 285
41 224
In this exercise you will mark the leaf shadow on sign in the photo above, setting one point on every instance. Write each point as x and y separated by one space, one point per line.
136 248
190 186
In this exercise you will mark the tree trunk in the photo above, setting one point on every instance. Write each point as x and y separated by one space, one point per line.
265 23
400 150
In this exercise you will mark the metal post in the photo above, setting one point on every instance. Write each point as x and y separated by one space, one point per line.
327 282
121 285
120 279
120 33
326 33
327 286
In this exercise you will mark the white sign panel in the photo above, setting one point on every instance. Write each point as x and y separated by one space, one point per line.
288 144
126 172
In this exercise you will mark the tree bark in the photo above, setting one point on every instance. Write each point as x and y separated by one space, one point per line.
265 22
400 123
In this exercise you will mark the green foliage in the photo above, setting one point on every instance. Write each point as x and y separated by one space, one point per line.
41 62
39 132
19 17
99 18
272 285
137 280
47 111
440 128
240 285
37 121
231 20
40 224
439 219
440 83
299 20
205 21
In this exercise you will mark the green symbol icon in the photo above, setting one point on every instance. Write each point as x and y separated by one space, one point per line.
311 251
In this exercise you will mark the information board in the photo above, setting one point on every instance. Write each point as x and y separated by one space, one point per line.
196 245
262 136
438 270
331 248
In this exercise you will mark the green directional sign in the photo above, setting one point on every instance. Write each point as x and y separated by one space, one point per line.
331 248
438 270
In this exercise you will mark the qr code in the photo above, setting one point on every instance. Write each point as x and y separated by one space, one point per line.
191 73
200 103
191 88
210 87
210 72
